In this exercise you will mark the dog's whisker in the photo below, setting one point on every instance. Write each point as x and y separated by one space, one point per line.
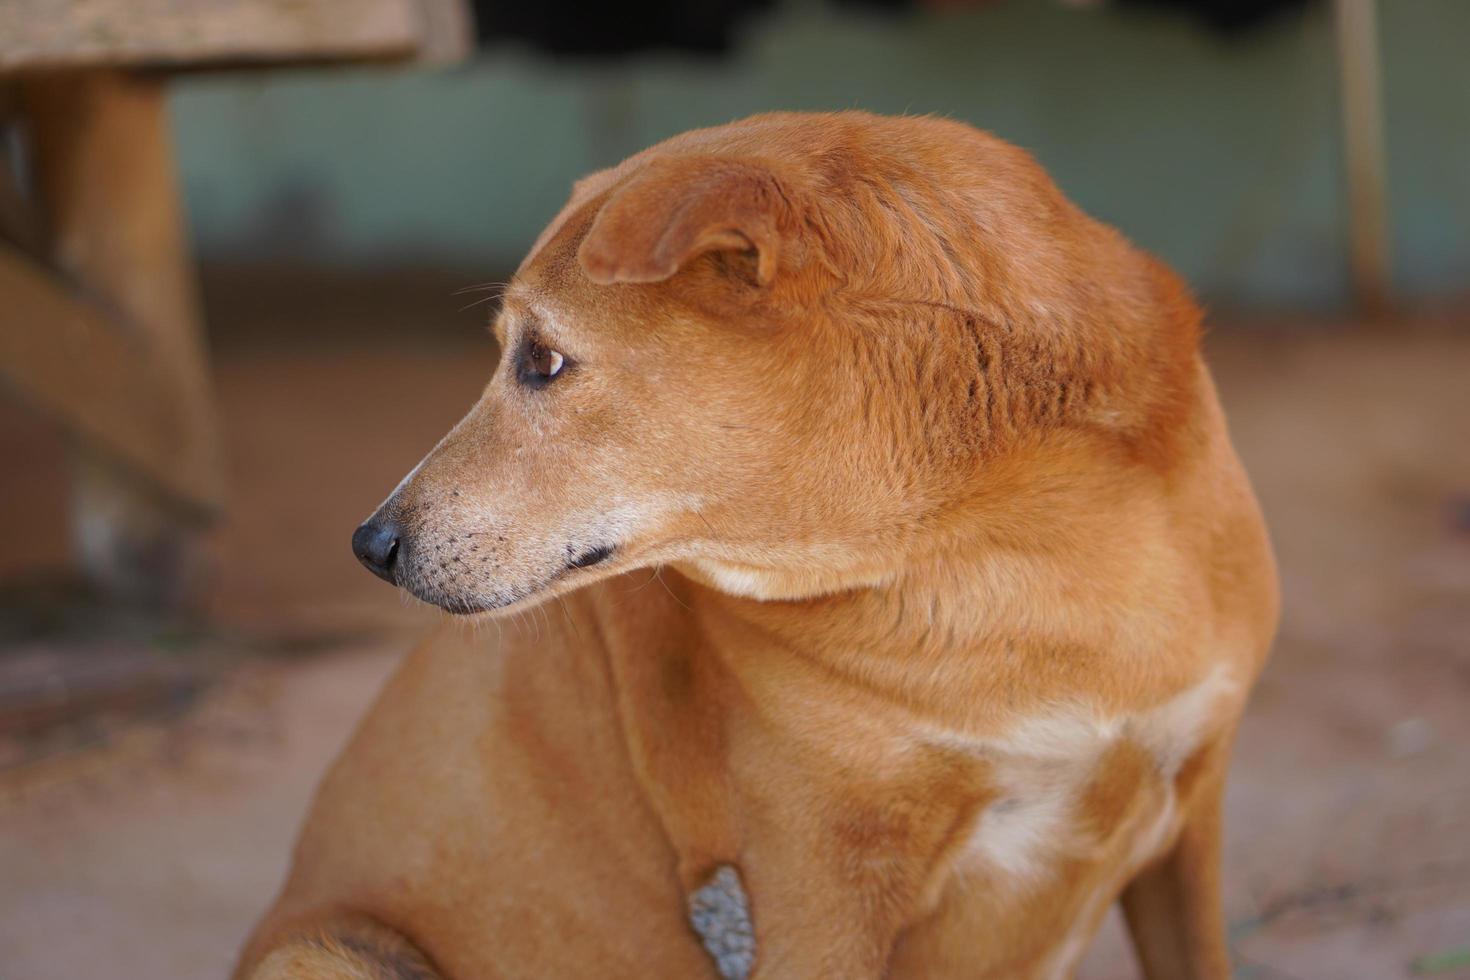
658 574
571 620
483 287
479 302
653 574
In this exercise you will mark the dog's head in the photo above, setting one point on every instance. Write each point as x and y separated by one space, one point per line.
781 355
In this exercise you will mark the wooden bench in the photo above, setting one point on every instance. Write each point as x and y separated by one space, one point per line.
99 320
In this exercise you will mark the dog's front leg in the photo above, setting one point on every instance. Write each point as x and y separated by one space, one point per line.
1173 907
333 947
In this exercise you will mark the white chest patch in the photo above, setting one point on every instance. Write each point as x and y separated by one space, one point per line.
1043 763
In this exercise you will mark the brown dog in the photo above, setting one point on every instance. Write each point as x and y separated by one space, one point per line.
963 589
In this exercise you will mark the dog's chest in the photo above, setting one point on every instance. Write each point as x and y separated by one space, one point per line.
1068 783
1071 804
1074 805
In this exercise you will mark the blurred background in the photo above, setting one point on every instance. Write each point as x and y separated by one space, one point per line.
235 244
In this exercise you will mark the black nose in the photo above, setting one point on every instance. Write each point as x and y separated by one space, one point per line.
375 544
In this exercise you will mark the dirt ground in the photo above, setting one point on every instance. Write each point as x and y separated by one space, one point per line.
140 840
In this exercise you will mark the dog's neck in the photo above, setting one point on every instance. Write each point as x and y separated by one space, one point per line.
944 633
982 609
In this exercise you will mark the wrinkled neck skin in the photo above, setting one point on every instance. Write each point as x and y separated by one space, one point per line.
1050 580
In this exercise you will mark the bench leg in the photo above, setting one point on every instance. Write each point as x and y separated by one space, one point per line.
114 227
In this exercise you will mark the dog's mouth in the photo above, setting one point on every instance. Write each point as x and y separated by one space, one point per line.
588 557
474 601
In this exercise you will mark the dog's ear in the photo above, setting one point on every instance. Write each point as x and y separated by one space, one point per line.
678 208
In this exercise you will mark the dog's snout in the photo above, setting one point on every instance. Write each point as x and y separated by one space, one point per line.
375 544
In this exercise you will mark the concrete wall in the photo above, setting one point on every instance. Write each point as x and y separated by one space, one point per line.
1220 155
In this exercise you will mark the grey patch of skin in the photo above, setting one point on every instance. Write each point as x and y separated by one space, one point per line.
720 913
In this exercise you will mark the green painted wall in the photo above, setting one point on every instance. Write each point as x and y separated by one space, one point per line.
1221 156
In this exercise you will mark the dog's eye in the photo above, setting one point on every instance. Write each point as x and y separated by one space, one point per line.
546 362
540 364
